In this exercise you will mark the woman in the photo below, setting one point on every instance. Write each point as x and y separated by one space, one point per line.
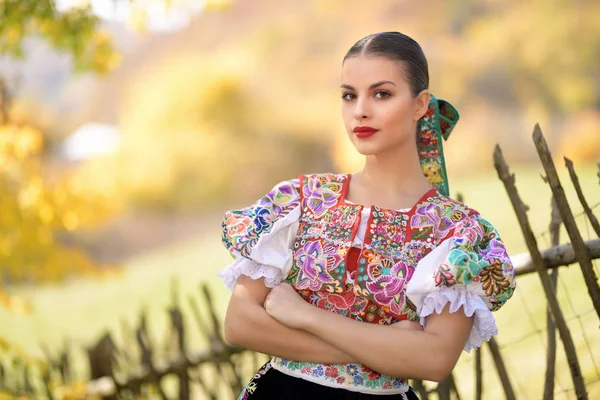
357 282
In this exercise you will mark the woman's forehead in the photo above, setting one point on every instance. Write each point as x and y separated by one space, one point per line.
368 69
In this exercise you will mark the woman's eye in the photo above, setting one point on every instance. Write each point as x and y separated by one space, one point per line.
348 96
382 95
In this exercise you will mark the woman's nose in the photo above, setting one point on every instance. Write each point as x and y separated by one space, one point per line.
361 109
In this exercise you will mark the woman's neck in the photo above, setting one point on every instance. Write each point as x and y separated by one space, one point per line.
391 177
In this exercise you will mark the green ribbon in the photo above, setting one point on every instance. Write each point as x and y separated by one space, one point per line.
436 124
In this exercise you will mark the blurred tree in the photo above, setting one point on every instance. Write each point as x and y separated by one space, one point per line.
544 54
76 31
36 204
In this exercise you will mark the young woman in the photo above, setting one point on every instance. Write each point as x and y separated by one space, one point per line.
357 282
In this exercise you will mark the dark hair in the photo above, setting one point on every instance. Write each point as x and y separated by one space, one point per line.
399 47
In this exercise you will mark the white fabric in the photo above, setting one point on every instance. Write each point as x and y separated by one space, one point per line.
484 324
244 266
428 298
271 258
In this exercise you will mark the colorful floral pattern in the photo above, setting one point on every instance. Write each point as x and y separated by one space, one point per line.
373 288
318 266
478 257
322 192
342 375
437 123
241 229
387 230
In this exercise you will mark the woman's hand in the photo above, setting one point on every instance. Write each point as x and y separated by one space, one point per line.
285 305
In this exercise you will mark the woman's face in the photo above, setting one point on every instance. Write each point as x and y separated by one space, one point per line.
376 94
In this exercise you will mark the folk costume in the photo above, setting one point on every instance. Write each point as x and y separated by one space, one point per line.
369 263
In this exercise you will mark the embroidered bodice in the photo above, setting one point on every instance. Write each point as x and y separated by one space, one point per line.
370 263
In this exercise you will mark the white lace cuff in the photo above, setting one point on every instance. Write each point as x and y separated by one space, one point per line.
484 324
244 266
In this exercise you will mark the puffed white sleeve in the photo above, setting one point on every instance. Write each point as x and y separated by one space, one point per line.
261 237
470 270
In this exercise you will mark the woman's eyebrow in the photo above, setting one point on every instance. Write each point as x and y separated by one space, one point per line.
373 86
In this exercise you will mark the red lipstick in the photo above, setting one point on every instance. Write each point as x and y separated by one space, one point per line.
363 132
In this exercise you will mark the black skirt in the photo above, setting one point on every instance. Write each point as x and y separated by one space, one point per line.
268 383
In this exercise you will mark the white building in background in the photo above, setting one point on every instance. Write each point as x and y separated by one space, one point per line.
90 140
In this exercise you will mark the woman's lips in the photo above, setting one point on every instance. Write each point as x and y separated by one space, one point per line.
363 132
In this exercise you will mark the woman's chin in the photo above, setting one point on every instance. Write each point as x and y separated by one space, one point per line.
367 149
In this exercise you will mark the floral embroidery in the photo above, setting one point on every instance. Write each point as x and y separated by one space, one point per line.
433 220
339 223
250 388
478 257
241 229
388 284
315 265
388 231
321 192
372 287
344 375
493 279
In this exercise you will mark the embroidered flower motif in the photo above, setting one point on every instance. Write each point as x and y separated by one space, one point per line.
433 218
315 264
281 196
262 219
494 250
237 224
331 372
373 375
443 276
321 194
341 302
493 279
467 264
468 231
353 370
345 375
387 284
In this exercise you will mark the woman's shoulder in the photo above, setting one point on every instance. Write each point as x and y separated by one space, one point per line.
455 213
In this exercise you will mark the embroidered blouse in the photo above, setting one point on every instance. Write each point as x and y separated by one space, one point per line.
369 263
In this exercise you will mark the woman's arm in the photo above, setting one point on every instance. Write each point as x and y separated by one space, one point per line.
430 354
248 325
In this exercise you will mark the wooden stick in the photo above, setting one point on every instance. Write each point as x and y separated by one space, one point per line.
417 384
591 280
582 200
555 223
501 368
478 375
443 389
453 387
509 183
553 257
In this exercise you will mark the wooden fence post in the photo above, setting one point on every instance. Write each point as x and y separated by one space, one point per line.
591 280
178 327
582 200
509 183
478 375
555 223
501 368
101 359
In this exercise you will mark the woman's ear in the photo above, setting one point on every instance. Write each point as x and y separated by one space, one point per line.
422 103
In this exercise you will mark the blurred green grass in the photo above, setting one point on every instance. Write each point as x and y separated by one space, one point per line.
81 310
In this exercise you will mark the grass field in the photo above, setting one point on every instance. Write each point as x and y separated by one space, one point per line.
80 311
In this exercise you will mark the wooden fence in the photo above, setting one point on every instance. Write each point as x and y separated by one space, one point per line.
219 372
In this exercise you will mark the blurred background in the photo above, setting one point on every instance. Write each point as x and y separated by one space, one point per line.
127 128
